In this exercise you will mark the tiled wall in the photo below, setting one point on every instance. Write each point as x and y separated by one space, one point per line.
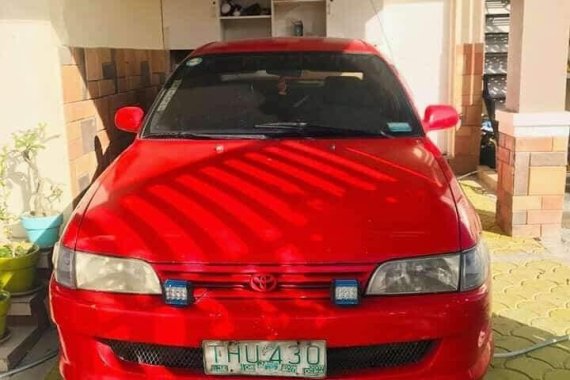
96 82
468 81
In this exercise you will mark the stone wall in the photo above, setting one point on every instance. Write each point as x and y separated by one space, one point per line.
96 82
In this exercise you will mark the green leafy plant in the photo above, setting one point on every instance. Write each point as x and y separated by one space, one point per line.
44 193
16 249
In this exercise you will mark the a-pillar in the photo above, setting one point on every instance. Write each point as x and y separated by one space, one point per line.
533 140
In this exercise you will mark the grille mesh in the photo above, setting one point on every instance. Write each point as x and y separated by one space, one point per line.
339 360
152 354
342 360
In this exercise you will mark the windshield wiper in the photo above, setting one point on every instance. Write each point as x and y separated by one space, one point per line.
204 136
308 128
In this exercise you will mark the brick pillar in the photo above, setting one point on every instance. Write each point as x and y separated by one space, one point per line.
467 99
533 141
531 173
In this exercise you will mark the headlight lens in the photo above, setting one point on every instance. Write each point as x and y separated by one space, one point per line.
79 270
424 275
437 274
475 267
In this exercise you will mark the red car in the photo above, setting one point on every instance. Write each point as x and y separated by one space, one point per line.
281 213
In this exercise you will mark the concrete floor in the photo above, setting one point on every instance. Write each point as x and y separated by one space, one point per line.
45 345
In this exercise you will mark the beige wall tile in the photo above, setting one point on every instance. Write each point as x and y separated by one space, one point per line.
547 180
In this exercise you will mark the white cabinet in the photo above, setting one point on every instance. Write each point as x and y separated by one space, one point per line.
189 24
310 12
360 19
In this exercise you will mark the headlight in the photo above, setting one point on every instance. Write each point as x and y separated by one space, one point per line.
475 267
78 270
437 274
424 275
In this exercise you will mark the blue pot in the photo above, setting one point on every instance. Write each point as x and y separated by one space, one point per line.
42 231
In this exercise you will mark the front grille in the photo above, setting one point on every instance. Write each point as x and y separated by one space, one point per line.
293 281
339 360
153 354
343 360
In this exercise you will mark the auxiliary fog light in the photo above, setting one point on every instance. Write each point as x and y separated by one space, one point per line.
345 292
178 292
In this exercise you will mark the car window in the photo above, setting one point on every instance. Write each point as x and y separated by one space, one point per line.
282 94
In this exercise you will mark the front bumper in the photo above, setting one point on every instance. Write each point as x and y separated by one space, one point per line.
458 323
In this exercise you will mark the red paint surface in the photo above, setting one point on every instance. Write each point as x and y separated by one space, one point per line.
305 211
287 44
129 119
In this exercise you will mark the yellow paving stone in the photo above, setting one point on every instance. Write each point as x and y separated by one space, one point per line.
500 286
519 291
532 334
556 299
510 299
564 346
540 308
557 374
512 343
561 314
532 367
562 272
498 363
525 273
563 291
502 280
550 325
538 286
499 307
552 355
505 374
504 327
560 277
500 268
520 315
545 265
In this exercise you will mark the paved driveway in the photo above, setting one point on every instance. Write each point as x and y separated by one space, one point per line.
531 297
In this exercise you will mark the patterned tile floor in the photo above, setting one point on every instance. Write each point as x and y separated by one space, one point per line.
531 298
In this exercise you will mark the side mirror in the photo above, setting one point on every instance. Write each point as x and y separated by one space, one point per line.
129 119
440 117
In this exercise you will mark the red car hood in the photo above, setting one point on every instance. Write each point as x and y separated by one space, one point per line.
272 201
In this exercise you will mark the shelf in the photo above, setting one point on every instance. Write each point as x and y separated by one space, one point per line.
296 1
258 17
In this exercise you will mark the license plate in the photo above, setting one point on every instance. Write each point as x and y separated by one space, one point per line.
266 358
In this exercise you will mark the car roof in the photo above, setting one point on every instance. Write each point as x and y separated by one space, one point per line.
287 44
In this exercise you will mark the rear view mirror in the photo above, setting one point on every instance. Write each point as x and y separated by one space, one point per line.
438 117
129 119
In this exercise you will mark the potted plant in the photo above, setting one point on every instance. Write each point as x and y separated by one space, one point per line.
18 262
17 259
42 222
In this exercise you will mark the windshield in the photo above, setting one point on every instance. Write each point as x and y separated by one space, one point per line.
283 94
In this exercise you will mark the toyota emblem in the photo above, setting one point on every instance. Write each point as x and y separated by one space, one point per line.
263 283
